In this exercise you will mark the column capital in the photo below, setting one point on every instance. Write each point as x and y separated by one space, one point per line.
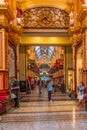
14 33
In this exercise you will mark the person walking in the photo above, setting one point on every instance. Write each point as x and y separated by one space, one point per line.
15 88
40 86
62 87
80 94
49 89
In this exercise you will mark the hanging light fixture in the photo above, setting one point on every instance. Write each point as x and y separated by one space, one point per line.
19 14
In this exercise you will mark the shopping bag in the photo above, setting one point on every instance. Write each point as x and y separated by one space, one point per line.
13 95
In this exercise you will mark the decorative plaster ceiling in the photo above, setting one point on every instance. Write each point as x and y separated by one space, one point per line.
45 17
41 21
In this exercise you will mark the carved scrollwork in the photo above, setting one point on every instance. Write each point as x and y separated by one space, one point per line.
44 17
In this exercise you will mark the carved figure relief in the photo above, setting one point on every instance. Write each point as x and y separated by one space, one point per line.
45 17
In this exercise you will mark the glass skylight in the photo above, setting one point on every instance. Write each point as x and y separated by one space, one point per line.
37 47
46 51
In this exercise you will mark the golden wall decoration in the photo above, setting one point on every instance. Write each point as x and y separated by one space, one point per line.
45 17
1 83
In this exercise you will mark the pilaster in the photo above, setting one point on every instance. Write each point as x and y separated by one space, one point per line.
82 17
3 62
5 18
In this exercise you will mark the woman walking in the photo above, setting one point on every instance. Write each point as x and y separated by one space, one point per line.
80 94
49 89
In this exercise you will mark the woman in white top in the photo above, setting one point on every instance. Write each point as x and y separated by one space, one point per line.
80 94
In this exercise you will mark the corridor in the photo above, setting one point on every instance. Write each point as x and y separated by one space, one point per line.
42 41
36 113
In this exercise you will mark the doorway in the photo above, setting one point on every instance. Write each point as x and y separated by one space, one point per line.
42 61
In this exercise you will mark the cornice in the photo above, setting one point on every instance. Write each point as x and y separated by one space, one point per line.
82 13
7 12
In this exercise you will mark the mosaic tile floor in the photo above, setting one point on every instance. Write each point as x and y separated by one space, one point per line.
35 114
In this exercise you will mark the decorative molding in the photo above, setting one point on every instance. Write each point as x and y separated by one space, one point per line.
82 17
6 16
84 53
14 33
71 30
17 30
82 13
45 17
5 9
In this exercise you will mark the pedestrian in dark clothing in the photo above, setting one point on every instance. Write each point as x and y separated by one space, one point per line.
62 87
70 93
15 89
40 86
49 89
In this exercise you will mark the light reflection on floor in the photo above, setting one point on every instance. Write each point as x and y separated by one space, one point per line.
57 115
45 125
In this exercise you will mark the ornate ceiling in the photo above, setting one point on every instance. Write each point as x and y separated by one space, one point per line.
45 17
63 4
40 17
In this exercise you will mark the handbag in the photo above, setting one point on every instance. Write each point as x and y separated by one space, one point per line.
13 95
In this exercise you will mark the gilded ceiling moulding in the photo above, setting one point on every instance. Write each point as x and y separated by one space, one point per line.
45 17
5 10
82 17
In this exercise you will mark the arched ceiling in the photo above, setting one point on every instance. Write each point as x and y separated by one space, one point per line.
63 4
27 5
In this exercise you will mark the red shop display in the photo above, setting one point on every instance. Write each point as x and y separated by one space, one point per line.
3 104
31 82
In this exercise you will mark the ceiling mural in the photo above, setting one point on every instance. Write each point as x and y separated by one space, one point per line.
45 17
